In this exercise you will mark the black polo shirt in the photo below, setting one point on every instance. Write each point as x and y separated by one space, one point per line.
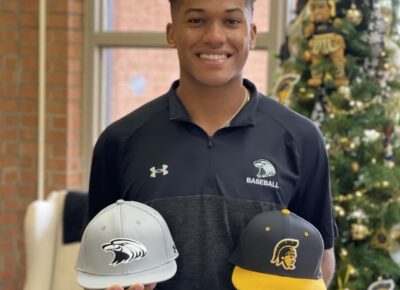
208 188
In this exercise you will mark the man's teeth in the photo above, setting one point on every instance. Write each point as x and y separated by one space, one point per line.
213 56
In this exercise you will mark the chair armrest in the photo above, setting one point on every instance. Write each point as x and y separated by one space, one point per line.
40 233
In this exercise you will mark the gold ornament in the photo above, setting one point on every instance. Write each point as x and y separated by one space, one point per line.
355 166
328 76
354 15
343 253
345 92
377 185
344 140
381 239
359 231
386 66
340 211
359 193
347 144
351 270
310 96
307 55
305 95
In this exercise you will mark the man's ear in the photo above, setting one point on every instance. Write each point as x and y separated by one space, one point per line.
171 35
253 35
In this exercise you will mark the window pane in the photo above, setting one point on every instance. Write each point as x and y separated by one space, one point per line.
136 15
153 15
134 77
256 69
261 14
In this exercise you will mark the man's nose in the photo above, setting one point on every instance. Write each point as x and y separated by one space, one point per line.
215 34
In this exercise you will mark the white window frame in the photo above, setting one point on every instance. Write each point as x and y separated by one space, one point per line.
96 40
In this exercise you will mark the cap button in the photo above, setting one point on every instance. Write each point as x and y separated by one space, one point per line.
285 211
120 201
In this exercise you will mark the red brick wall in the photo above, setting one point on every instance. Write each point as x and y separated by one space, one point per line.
19 116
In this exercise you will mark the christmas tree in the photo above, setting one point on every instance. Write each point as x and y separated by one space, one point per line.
340 67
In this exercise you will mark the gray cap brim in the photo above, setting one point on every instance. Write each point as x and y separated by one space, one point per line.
155 275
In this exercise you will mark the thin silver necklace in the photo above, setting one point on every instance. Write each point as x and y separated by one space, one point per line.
245 101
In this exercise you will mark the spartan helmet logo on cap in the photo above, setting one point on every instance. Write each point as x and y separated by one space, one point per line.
285 254
125 251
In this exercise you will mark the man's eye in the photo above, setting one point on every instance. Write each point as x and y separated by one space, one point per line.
196 21
232 21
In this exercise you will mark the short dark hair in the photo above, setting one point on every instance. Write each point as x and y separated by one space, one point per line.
250 2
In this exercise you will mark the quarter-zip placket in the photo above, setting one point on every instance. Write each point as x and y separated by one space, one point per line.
211 182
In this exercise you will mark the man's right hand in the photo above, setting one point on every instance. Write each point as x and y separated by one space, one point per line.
134 287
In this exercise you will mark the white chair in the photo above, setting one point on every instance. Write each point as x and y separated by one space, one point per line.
49 262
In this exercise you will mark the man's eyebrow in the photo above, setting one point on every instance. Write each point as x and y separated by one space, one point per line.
232 10
200 10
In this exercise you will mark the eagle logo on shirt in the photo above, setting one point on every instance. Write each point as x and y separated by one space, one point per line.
265 168
125 251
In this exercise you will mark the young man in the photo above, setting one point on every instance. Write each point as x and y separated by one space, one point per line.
213 152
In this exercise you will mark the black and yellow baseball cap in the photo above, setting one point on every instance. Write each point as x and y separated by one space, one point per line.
278 250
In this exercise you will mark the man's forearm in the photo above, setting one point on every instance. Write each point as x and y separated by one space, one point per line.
328 266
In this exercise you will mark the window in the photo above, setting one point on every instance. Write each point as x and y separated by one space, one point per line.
124 36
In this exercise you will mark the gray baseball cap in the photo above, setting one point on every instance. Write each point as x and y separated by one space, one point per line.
126 243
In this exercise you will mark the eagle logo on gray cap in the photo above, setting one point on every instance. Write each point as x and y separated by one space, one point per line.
125 251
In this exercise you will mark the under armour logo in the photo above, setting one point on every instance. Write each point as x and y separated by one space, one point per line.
154 171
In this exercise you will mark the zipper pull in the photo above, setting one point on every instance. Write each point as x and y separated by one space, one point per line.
210 142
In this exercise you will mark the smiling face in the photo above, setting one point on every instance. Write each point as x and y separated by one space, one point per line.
213 39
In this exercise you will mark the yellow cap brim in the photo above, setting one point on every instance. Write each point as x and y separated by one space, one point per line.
249 280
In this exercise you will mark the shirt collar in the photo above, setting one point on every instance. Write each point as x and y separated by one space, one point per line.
246 117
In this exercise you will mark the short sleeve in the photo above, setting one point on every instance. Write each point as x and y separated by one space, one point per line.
103 184
313 199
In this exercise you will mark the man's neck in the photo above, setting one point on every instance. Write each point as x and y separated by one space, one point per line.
211 106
